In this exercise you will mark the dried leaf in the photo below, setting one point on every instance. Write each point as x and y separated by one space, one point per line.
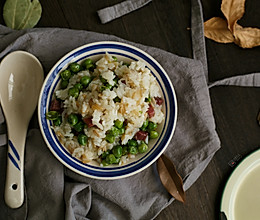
216 29
170 178
229 31
233 11
22 14
246 37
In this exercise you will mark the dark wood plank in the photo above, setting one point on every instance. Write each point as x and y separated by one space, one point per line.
166 25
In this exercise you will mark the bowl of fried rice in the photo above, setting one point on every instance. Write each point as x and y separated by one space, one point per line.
107 110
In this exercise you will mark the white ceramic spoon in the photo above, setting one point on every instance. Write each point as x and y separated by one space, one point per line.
21 78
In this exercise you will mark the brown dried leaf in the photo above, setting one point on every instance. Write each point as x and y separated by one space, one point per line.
170 178
216 29
233 11
246 37
229 31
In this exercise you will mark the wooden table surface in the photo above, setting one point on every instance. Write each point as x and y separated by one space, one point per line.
166 25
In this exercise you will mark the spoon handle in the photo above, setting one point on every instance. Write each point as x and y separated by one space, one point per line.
14 187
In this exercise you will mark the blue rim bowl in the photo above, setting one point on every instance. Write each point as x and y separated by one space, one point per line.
123 52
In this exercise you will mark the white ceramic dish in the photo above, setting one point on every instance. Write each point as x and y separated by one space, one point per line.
125 53
241 197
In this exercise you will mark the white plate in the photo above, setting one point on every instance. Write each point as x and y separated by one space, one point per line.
241 197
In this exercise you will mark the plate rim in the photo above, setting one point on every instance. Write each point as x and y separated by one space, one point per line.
233 179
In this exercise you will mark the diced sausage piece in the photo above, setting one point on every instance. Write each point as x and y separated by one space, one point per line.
141 135
55 105
159 101
150 111
88 122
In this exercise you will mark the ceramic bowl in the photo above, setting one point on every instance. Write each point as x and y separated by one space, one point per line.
125 53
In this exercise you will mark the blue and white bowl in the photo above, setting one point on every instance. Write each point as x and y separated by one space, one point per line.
125 53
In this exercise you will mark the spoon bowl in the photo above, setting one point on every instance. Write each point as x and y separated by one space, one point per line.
21 78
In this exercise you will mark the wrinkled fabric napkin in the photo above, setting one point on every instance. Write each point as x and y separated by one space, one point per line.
110 13
54 192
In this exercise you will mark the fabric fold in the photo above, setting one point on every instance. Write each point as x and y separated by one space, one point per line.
44 180
77 198
197 35
110 13
2 119
3 140
248 80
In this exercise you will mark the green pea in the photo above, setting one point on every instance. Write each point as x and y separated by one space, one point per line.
110 159
107 86
85 80
75 67
153 134
74 92
52 115
117 99
151 126
142 148
132 143
124 150
126 64
145 124
73 119
133 150
110 138
104 154
82 139
116 80
64 84
104 163
57 122
121 130
88 61
148 99
78 86
114 58
102 88
102 80
89 66
117 151
117 160
65 74
114 131
79 126
119 124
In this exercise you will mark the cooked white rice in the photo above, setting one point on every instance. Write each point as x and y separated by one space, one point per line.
136 83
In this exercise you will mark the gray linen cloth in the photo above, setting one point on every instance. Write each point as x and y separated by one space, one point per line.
55 192
110 13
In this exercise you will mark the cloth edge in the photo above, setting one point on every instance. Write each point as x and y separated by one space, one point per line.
110 13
